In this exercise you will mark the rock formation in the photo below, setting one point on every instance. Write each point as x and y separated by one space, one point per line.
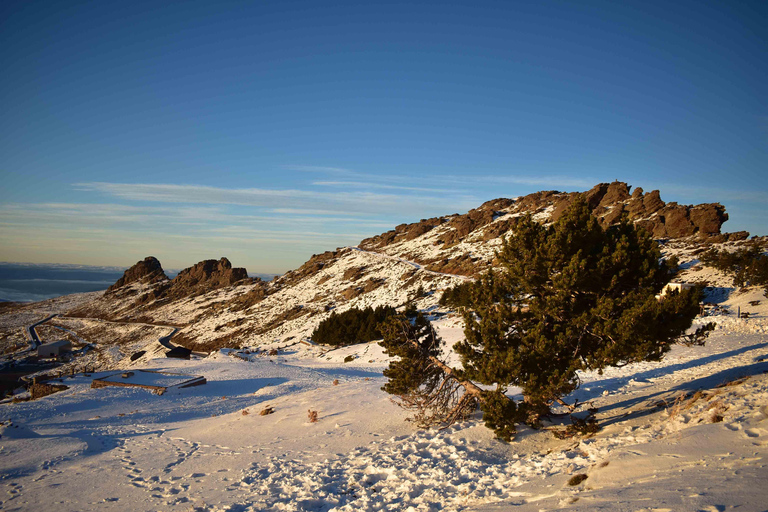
663 220
609 201
147 271
206 276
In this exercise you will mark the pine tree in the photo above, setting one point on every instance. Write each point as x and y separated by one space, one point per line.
570 296
423 383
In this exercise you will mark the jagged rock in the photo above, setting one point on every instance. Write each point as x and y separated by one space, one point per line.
474 219
200 278
736 236
209 274
708 218
147 271
617 192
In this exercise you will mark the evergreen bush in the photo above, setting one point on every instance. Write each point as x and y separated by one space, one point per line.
569 297
352 326
748 265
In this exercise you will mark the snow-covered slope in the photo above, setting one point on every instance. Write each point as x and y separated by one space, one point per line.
689 433
413 261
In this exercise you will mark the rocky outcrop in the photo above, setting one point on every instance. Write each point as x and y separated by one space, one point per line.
474 219
610 201
403 232
206 276
146 271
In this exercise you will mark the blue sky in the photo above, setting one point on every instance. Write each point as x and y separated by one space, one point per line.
269 131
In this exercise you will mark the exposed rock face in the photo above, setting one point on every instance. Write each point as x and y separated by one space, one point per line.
663 220
494 219
609 202
148 270
206 276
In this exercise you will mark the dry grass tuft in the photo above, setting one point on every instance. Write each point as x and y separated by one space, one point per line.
335 382
312 416
733 382
267 410
245 412
577 479
716 410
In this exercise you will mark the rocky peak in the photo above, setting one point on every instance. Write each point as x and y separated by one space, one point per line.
663 220
209 274
148 270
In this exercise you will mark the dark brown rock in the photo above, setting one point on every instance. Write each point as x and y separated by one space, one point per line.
652 202
148 270
616 192
208 275
708 218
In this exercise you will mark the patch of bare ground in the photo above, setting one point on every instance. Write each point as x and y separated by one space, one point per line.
463 265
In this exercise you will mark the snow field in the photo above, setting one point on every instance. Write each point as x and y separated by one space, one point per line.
195 449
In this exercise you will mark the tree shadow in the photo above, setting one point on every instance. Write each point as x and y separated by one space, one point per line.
651 403
597 387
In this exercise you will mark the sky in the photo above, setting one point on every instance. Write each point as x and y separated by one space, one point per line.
270 131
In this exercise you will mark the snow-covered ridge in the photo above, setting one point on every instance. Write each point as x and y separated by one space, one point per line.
430 255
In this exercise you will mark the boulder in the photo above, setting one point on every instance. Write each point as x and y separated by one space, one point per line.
179 353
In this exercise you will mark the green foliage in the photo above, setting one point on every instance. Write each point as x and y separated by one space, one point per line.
572 296
352 326
460 296
421 382
498 410
412 370
748 265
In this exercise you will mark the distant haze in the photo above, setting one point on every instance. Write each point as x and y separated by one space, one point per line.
35 282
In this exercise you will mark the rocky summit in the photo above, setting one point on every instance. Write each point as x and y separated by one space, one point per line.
209 274
146 271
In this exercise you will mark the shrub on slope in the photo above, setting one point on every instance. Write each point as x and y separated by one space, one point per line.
352 326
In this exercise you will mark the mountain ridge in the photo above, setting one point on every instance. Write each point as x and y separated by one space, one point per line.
216 305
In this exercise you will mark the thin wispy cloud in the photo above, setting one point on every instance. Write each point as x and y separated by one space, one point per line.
367 184
322 169
545 181
160 217
337 202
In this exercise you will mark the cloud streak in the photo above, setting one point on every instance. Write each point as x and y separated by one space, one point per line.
364 184
361 202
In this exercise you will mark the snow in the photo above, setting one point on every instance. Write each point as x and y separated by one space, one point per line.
662 445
